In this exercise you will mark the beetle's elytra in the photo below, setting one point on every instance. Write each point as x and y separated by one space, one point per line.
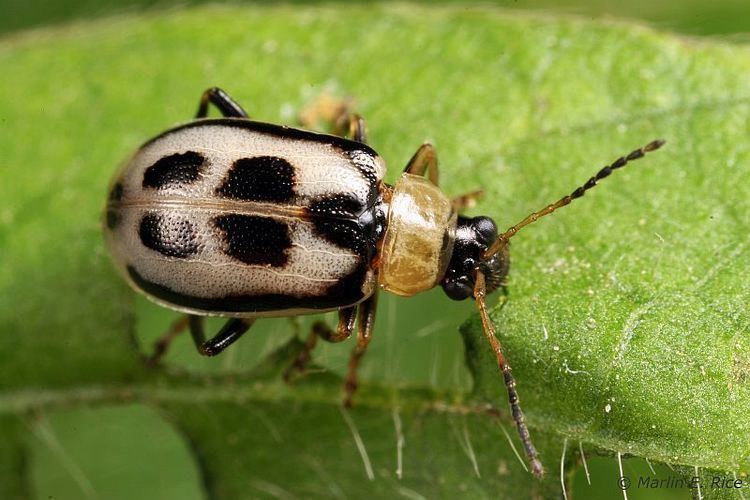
237 218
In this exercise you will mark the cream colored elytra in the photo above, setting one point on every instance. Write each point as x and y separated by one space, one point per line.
314 262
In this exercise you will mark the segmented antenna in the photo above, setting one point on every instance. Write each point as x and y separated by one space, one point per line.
503 239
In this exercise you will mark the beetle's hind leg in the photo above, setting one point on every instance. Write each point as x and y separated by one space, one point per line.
229 333
321 330
223 103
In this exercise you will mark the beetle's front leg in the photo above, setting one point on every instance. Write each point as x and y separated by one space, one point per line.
321 330
223 103
229 333
425 159
365 326
480 293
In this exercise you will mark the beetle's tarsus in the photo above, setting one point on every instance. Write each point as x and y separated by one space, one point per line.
536 468
298 365
208 350
154 360
349 389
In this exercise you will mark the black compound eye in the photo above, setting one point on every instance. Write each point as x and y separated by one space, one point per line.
485 228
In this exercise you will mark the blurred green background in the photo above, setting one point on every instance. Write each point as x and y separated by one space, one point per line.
155 462
696 17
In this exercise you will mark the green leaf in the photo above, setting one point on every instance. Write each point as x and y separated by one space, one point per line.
624 320
13 459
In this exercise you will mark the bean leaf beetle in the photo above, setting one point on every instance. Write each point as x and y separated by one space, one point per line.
243 219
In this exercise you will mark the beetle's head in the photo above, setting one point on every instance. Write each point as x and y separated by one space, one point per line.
474 236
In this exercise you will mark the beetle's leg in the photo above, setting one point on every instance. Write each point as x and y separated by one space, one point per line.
328 112
162 345
365 325
510 382
467 200
320 329
350 125
425 159
357 128
223 103
231 331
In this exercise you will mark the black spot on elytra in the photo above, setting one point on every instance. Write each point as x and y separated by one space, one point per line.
350 286
366 166
112 217
261 178
115 194
168 234
340 206
174 170
342 220
113 212
254 240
